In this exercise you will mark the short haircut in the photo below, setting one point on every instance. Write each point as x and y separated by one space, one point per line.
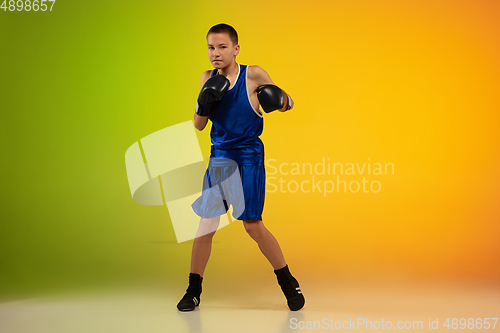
225 28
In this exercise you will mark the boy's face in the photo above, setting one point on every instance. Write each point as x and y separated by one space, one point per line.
221 51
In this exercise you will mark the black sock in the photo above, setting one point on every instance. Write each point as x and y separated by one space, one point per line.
195 281
282 273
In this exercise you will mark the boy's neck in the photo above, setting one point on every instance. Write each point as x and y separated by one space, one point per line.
231 70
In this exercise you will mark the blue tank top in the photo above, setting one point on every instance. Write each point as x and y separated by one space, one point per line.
236 125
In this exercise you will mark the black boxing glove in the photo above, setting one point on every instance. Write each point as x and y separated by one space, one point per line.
273 98
212 91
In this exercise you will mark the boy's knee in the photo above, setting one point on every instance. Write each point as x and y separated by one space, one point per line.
253 227
208 226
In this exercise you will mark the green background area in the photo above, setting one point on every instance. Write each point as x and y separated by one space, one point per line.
78 86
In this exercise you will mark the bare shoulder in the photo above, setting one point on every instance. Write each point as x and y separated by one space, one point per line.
256 72
257 76
206 74
204 77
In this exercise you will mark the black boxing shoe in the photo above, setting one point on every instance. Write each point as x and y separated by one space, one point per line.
290 287
191 298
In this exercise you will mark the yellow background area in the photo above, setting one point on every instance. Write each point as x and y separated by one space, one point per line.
412 83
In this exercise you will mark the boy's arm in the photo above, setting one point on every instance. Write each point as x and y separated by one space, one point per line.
260 77
199 121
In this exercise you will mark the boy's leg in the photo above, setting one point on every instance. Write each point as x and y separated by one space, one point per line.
267 242
272 251
202 246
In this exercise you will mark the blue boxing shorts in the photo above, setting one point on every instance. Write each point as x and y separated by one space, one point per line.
226 183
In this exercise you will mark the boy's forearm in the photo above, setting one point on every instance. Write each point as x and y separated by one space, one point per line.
200 122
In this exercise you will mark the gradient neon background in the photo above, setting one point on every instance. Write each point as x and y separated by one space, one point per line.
413 83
